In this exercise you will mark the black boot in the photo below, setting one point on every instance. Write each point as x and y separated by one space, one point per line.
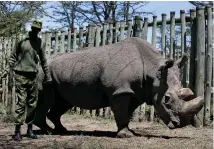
30 133
17 136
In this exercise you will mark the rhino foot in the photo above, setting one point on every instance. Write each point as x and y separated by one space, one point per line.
60 130
125 133
44 128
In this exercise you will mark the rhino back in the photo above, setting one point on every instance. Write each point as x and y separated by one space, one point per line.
97 72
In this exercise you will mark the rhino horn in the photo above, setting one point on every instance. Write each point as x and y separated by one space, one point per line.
192 107
185 93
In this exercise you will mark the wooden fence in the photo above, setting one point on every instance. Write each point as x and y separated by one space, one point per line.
197 74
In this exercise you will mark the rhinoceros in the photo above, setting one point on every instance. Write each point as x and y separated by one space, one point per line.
121 76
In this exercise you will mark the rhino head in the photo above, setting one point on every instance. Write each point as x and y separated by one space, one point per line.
174 105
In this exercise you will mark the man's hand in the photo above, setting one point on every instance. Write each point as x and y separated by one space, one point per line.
47 80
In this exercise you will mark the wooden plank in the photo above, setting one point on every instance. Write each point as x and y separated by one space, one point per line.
104 34
154 28
56 47
144 36
192 50
183 47
200 58
48 44
62 42
163 34
74 40
69 40
145 28
172 33
97 41
129 32
116 32
91 35
110 39
122 29
101 112
80 37
137 26
208 67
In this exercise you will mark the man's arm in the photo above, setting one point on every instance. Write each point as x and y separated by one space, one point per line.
44 64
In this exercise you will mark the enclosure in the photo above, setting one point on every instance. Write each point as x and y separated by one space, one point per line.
194 29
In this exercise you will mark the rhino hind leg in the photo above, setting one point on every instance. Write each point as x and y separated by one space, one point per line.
45 101
120 107
59 108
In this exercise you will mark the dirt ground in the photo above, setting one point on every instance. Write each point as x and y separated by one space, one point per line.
91 133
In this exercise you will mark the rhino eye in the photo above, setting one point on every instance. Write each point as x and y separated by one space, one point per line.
167 99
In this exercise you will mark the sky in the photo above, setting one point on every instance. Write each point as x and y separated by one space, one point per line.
158 7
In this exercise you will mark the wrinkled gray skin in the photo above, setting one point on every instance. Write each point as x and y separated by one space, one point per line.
123 76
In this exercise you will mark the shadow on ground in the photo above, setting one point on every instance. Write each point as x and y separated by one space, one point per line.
111 134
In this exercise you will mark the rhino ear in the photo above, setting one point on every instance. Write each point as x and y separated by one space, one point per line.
161 71
168 64
181 62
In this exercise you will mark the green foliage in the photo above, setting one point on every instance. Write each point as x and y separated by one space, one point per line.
15 14
14 23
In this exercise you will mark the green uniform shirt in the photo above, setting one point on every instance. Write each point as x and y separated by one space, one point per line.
24 56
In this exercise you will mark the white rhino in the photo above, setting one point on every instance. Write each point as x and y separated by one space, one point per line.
122 76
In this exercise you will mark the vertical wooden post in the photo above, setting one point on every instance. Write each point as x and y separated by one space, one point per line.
91 35
47 44
152 110
82 111
200 57
144 36
74 39
213 56
116 32
4 66
62 42
163 33
137 26
56 47
110 39
97 42
7 77
129 32
122 29
183 48
154 27
69 40
193 50
81 37
172 33
145 28
137 33
14 40
208 67
104 34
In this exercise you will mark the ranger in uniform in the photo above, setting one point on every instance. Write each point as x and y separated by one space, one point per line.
24 63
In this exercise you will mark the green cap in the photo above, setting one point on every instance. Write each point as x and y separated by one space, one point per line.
37 24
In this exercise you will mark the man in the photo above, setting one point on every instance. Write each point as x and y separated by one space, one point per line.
24 62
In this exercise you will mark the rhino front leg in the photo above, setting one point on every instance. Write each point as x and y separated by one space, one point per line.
120 107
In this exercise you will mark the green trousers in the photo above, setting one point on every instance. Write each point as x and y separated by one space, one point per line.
27 97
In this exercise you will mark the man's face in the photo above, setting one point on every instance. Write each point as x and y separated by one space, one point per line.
35 30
